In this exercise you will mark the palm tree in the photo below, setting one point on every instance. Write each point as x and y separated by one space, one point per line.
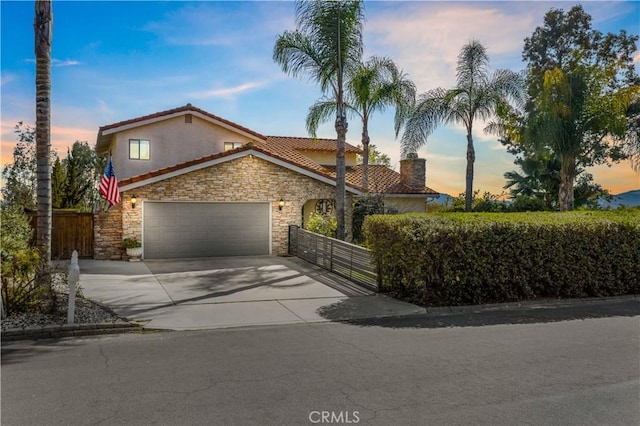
476 96
326 45
373 86
540 178
43 24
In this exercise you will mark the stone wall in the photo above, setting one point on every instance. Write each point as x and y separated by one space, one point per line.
107 234
413 172
248 179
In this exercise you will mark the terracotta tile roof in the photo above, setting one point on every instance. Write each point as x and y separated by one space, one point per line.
384 180
283 148
310 144
280 153
381 178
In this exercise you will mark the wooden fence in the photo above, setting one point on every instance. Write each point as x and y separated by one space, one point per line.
348 260
70 230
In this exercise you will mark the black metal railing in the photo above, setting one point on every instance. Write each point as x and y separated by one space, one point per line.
348 260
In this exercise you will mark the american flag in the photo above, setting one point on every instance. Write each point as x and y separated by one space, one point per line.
109 185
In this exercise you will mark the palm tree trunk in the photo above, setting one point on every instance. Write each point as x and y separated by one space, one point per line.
43 26
471 158
365 155
341 130
567 177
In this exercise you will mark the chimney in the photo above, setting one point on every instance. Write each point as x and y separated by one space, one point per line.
413 171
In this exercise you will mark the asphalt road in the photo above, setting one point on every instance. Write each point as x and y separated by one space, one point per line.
487 368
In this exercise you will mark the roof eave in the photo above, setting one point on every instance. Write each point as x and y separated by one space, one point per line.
127 126
412 195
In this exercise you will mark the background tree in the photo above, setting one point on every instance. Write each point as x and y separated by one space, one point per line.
80 171
43 27
477 95
376 157
326 45
58 184
632 139
581 85
19 177
539 179
373 86
73 179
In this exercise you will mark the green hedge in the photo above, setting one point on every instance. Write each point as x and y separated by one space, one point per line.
472 258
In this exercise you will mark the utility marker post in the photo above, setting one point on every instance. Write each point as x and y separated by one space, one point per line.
74 277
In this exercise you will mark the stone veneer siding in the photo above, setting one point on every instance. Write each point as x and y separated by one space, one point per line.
413 172
248 178
107 234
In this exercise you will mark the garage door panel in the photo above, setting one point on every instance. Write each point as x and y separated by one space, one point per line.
182 229
153 211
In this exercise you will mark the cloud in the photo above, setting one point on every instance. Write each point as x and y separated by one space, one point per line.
59 62
62 137
227 92
65 63
637 57
222 24
425 38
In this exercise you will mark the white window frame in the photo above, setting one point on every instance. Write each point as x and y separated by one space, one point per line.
139 142
228 146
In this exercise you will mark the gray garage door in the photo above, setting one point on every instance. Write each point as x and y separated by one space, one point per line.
182 230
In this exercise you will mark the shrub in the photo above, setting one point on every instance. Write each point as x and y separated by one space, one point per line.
461 259
322 224
20 264
131 242
367 205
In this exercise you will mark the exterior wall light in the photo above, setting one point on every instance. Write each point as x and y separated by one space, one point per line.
280 204
133 201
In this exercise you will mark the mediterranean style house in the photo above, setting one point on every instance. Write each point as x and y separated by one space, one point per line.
196 185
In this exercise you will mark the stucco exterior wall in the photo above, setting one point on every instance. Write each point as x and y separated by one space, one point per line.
172 141
406 205
247 178
329 158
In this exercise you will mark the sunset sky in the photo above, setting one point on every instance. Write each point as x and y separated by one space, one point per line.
113 61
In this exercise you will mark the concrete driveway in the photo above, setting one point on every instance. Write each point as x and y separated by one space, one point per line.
192 294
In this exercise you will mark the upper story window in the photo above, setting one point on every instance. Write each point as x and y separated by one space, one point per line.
138 149
232 145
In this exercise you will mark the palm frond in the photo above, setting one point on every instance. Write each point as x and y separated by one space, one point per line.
472 66
320 112
297 55
335 29
429 111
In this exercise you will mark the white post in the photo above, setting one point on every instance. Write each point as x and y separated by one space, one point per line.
74 277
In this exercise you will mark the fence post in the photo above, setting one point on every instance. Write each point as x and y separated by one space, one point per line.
74 277
293 240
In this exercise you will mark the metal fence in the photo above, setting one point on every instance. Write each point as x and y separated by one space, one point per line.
348 260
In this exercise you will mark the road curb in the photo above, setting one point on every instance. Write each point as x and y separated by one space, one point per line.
70 330
526 305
